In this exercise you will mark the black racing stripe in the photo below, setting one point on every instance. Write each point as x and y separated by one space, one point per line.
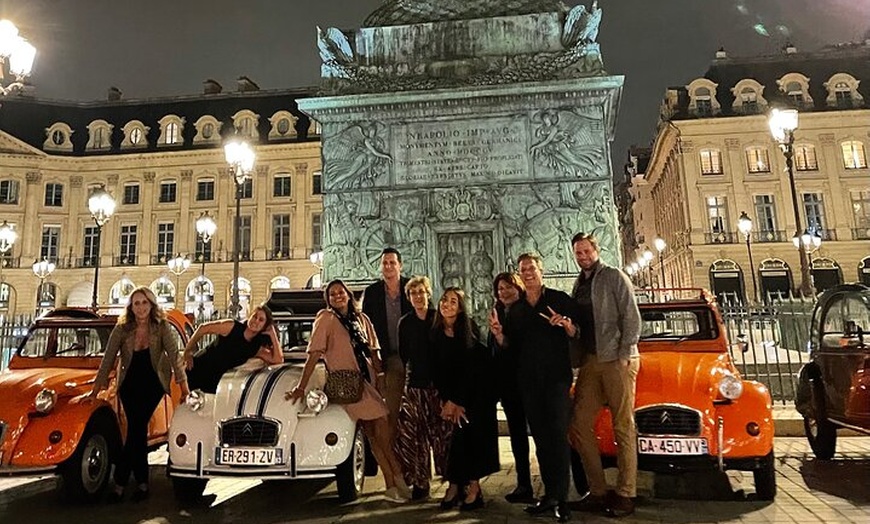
269 387
246 389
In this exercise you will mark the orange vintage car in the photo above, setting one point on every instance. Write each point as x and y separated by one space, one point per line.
43 426
693 410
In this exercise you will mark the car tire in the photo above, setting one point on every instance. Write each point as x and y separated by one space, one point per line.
188 489
765 478
86 473
821 432
351 474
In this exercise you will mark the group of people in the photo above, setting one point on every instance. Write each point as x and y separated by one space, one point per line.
431 379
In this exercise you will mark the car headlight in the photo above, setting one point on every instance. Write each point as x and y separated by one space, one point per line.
316 400
45 400
730 387
195 400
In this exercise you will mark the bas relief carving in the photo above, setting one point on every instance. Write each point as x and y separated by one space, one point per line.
568 144
355 156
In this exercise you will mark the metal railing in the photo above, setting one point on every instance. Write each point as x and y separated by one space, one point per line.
722 237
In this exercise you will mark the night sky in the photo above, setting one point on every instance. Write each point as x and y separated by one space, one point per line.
168 47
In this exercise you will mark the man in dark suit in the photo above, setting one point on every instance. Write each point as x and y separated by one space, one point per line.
385 302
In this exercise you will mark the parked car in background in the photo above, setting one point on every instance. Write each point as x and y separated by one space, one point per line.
693 410
834 386
247 429
43 429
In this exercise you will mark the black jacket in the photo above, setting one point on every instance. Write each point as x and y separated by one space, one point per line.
374 305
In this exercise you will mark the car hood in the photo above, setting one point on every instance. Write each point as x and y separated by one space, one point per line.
18 387
673 377
253 390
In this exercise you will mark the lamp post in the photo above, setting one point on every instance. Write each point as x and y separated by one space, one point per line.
643 263
316 258
810 241
16 57
647 256
240 158
8 236
102 206
42 269
206 227
783 123
744 225
177 266
635 270
660 246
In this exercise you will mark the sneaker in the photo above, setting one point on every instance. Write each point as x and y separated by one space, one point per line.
395 496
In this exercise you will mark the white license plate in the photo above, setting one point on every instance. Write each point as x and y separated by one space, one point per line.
671 446
249 456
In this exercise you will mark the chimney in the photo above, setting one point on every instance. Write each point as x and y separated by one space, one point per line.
790 49
211 87
114 94
245 85
721 54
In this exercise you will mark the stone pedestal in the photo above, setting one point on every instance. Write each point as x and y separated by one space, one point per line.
490 158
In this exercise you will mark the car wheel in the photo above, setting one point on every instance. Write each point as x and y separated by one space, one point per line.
820 432
187 489
350 474
765 478
86 473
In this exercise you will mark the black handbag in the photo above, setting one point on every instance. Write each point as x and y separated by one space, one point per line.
344 386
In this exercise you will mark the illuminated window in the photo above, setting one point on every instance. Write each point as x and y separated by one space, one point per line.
853 155
805 158
757 160
711 162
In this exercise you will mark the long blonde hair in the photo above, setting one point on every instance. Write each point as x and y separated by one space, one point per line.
128 319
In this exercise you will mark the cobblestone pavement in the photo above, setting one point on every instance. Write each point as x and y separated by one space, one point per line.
809 491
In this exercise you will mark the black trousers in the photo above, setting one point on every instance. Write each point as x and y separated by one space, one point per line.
141 392
548 408
512 404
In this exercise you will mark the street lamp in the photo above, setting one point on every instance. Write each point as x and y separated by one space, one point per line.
42 269
16 57
8 236
177 266
783 123
810 241
642 264
647 256
744 225
660 246
206 227
102 206
240 158
316 258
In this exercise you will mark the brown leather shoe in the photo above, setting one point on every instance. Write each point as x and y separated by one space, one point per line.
590 504
619 506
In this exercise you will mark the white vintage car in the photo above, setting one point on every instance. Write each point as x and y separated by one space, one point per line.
247 429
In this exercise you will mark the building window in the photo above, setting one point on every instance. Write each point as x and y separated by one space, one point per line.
765 214
136 136
8 191
203 250
205 190
281 282
815 212
281 236
245 237
53 195
50 243
711 162
248 188
167 191
173 134
91 247
703 102
171 127
749 101
128 245
316 181
853 155
861 209
757 160
795 93
281 186
165 241
805 158
131 194
717 214
843 95
316 232
99 135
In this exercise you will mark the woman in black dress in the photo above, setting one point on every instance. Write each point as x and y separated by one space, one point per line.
463 367
236 343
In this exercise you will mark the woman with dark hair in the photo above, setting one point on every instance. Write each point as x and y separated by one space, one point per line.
149 357
236 343
463 368
344 338
508 288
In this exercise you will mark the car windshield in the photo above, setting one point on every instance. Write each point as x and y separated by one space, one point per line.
669 323
65 341
294 333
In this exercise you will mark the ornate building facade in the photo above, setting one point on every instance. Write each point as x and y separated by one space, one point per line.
714 158
163 162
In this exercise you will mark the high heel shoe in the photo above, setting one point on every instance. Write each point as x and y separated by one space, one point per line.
477 503
451 502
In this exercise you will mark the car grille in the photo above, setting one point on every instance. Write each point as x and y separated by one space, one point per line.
668 420
249 431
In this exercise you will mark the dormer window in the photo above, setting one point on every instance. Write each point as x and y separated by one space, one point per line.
702 98
795 93
171 127
748 99
843 92
208 130
283 125
58 137
796 88
135 135
703 102
99 135
246 122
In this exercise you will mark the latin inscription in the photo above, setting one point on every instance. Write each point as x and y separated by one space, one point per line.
463 151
